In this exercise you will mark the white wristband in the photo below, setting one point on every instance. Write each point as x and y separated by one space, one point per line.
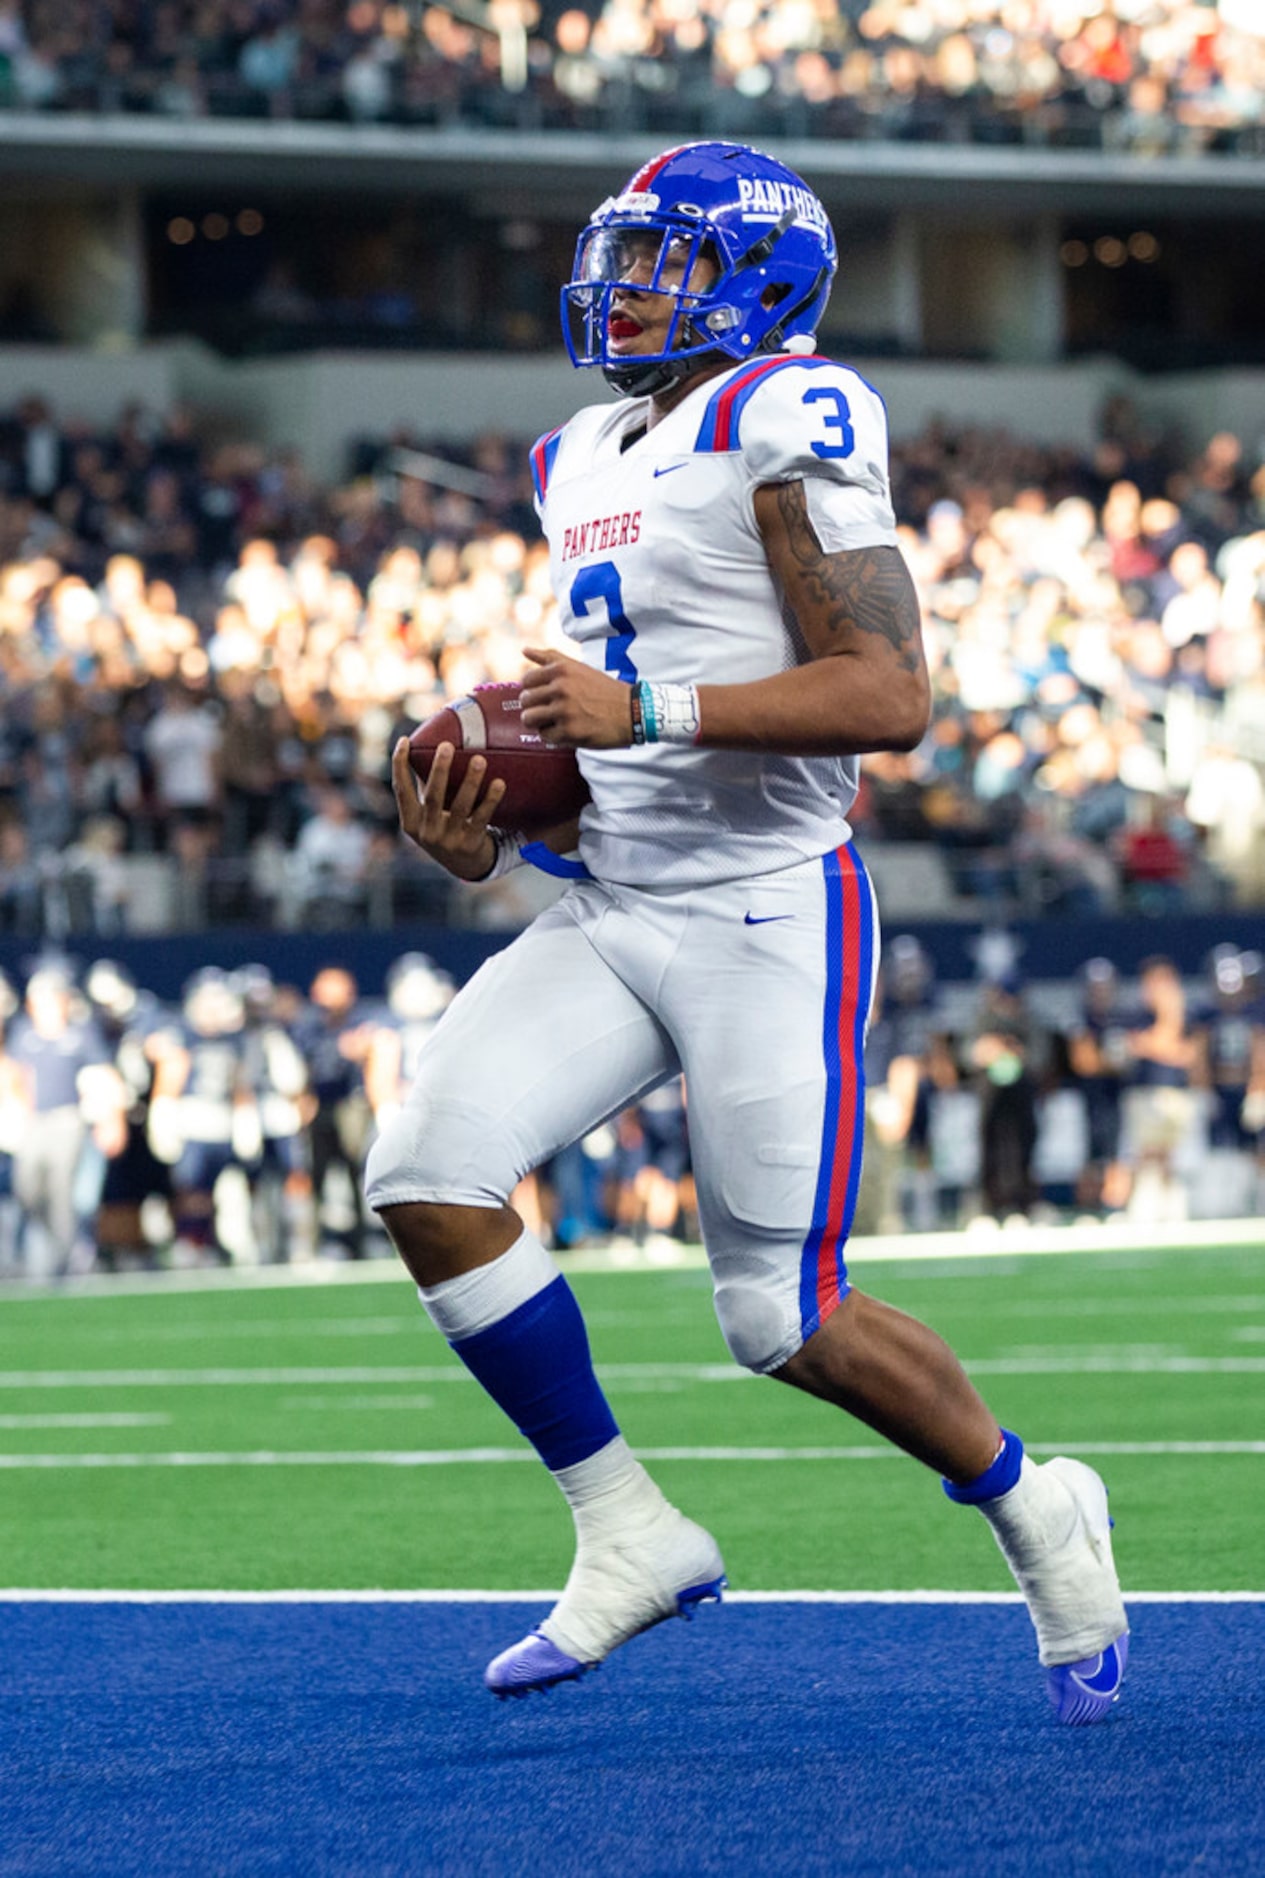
509 855
669 713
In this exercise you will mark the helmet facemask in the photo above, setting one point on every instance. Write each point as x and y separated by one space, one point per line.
618 265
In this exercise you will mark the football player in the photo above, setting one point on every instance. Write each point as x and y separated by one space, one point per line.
133 1023
724 554
335 1035
1098 1052
203 1115
276 1077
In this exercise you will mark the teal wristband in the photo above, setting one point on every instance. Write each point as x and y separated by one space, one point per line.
649 720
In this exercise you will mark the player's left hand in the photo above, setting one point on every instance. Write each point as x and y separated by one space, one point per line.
566 702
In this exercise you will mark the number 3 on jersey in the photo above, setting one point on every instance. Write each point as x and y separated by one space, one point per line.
601 582
839 419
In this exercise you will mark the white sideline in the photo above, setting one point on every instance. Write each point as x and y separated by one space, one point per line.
980 1241
48 1596
497 1457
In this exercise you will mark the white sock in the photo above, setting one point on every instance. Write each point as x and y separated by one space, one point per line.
610 1494
475 1300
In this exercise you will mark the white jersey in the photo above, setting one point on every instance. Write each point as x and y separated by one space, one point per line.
661 574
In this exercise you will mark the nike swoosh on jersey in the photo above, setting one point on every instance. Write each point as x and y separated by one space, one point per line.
668 469
765 919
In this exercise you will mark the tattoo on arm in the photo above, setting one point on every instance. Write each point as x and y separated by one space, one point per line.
865 590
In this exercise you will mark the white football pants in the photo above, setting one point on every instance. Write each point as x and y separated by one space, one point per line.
758 989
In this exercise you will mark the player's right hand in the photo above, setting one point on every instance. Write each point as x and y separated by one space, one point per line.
453 833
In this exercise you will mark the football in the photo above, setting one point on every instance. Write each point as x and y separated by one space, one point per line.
543 785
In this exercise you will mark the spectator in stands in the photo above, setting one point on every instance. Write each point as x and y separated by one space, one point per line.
248 768
331 862
183 744
1096 676
1155 858
269 61
35 452
1193 80
110 779
21 887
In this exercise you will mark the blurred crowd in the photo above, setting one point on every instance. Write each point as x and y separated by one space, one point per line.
1096 632
204 662
1003 1101
1146 76
232 1128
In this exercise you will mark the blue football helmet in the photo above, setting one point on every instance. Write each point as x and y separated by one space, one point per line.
760 227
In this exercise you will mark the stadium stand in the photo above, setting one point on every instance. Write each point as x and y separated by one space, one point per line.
1148 76
204 660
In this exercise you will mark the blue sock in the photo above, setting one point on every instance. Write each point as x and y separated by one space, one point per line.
535 1364
995 1480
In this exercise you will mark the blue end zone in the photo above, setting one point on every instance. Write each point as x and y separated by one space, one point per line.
357 1739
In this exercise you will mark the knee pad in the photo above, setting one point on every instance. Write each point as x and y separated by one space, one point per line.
759 1328
446 1151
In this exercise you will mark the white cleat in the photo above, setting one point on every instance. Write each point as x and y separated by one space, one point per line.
618 1587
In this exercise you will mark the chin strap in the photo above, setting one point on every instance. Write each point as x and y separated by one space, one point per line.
636 380
643 381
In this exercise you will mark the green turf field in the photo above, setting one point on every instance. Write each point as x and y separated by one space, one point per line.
1076 1352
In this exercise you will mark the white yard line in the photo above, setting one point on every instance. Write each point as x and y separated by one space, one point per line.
1096 1306
85 1421
1115 1365
224 1378
409 1323
19 1595
354 1404
500 1457
1109 1363
229 1378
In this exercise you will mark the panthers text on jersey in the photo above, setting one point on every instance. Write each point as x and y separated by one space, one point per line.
661 574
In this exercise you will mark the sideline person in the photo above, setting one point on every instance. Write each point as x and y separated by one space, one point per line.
724 553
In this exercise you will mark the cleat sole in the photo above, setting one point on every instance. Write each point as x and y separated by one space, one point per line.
541 1685
688 1601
